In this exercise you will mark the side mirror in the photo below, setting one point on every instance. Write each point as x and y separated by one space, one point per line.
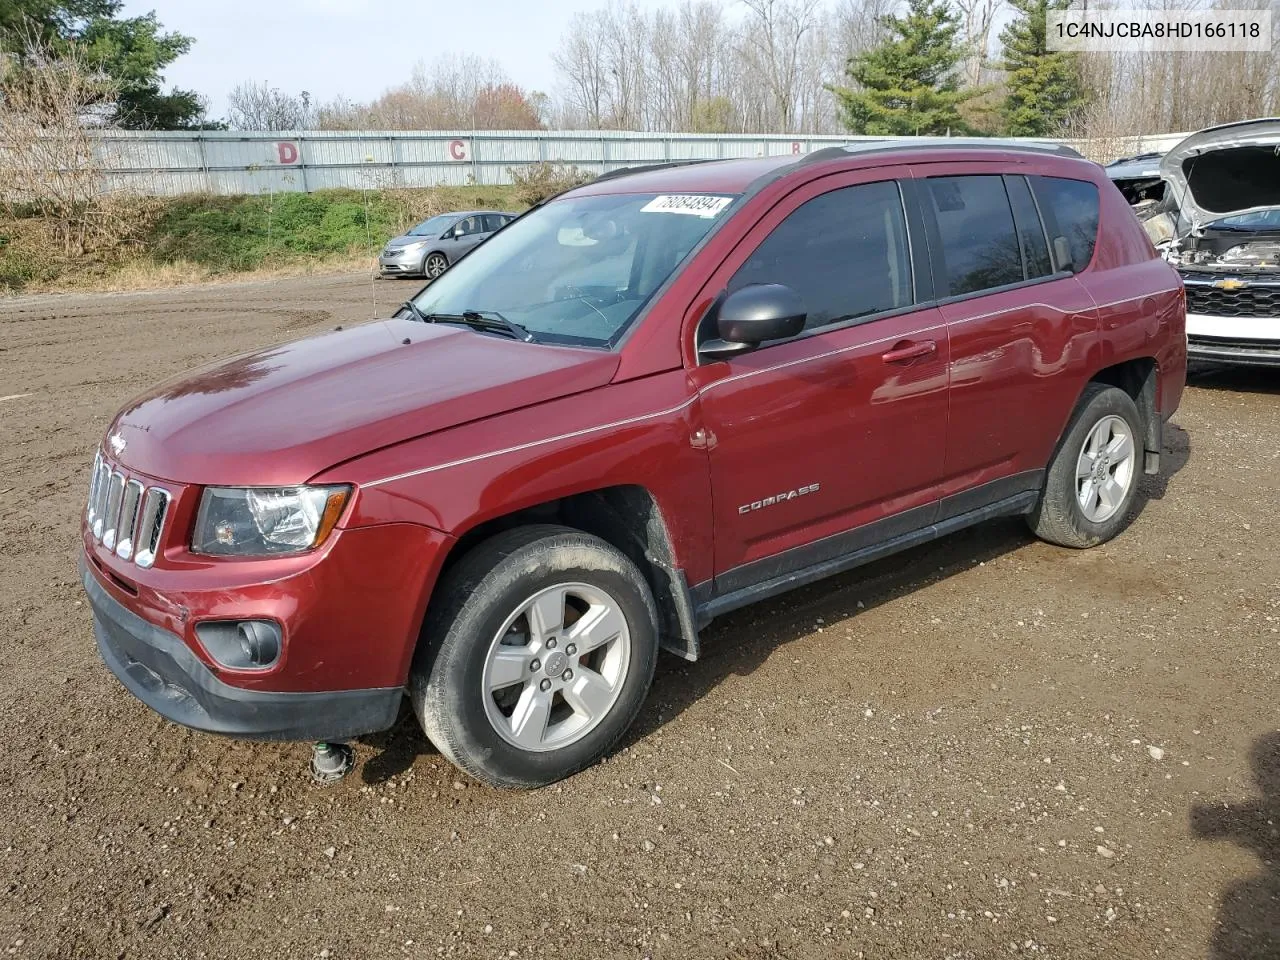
753 315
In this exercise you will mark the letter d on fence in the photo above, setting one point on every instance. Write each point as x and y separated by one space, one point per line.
287 151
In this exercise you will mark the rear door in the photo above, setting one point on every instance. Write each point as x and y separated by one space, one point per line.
833 440
1020 330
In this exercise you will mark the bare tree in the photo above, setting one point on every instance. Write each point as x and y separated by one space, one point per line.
772 42
858 25
1136 92
257 106
451 93
758 65
51 159
580 61
976 20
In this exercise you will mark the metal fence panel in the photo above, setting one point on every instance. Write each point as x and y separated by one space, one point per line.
232 162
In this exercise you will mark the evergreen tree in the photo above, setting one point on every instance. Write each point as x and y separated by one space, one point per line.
1044 89
908 84
133 51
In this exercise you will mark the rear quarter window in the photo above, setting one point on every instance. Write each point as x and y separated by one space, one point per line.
1072 206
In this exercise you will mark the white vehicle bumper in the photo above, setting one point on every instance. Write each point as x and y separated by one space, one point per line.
1253 341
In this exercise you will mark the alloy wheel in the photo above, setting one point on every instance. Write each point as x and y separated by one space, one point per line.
1105 468
556 667
435 265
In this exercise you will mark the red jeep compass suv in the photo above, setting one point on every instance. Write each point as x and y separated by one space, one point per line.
650 400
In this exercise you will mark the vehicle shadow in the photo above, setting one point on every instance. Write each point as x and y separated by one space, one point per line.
397 748
738 643
1249 911
1207 376
1175 455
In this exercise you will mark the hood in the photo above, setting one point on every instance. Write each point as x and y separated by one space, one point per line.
1225 171
1143 167
404 240
282 415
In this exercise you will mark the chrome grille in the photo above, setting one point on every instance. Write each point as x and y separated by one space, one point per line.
111 514
128 519
1256 296
155 507
124 514
98 496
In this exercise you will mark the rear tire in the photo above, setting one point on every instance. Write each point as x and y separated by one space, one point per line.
1093 477
537 657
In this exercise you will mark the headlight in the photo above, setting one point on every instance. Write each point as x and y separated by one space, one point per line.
413 246
261 521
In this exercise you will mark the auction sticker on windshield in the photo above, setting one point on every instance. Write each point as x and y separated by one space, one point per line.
694 204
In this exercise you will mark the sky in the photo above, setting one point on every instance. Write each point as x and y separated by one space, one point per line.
356 48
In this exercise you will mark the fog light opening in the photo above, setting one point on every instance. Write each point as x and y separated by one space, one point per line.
260 642
241 644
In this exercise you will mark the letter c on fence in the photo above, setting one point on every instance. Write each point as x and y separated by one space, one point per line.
457 149
288 152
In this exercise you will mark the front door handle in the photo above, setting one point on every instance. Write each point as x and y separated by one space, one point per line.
909 350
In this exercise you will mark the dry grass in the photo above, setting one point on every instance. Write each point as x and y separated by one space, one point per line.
141 274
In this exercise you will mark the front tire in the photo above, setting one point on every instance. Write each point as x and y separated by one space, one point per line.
1093 477
434 264
537 657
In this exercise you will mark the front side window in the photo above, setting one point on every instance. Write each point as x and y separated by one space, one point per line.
468 226
1074 204
578 269
979 242
845 253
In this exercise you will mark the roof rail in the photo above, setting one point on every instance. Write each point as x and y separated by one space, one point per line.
926 143
645 168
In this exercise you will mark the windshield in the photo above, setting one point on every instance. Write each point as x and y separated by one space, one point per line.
1268 220
433 227
577 270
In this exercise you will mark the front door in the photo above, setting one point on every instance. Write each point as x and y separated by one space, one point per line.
834 439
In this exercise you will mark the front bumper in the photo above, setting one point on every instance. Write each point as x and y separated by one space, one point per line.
1244 341
161 671
400 264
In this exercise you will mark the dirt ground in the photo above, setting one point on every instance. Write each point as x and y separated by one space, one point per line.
984 747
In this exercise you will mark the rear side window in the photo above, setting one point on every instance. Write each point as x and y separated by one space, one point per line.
493 221
1035 249
979 241
845 253
1073 208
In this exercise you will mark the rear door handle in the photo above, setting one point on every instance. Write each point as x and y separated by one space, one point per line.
910 350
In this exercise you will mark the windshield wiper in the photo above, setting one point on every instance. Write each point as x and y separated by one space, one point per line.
413 309
493 320
490 321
